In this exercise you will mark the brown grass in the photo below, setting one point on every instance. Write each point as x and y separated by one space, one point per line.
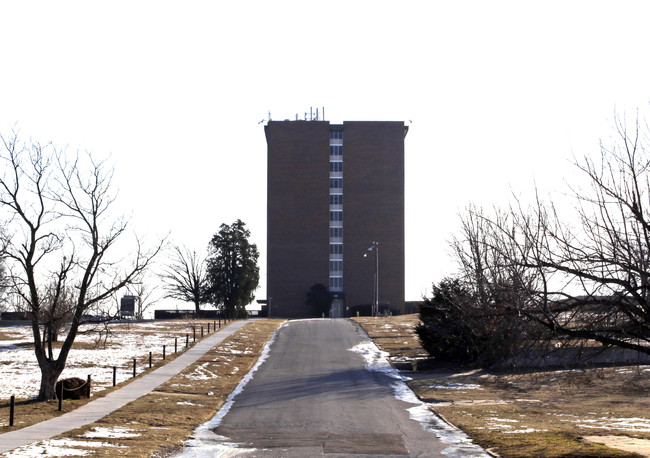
529 414
395 335
165 418
30 411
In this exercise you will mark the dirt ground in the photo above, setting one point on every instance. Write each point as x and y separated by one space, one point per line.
552 413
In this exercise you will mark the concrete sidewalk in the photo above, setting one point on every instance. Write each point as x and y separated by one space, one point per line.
94 410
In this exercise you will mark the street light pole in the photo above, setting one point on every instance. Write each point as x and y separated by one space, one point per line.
375 292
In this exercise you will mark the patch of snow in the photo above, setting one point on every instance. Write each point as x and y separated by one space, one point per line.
204 443
185 403
57 447
115 432
506 420
460 444
201 373
497 426
625 424
456 386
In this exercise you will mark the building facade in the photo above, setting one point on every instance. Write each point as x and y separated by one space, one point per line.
335 202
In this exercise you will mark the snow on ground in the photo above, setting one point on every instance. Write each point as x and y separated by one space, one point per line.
114 432
204 443
57 447
19 370
460 445
608 423
509 426
455 386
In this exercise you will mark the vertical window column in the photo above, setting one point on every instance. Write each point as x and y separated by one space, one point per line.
336 211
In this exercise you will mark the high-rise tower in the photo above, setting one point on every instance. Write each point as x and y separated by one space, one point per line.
335 191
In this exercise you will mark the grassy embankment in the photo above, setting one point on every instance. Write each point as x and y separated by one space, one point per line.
548 413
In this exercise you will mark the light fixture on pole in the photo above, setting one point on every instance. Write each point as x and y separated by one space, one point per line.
375 290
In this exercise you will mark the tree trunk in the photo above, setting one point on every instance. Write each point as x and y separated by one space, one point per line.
49 375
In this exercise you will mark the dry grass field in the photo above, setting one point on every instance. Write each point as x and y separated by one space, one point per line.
597 412
96 351
157 424
556 413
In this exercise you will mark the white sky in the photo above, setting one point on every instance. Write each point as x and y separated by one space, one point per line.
500 95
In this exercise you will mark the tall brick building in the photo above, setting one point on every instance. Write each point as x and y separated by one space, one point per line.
334 191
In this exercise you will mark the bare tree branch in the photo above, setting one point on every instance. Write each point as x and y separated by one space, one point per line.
60 209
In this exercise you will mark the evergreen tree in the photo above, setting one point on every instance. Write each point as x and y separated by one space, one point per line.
232 271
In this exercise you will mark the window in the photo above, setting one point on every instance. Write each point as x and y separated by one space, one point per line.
336 282
336 266
336 166
336 232
336 134
336 183
336 199
336 150
336 216
336 248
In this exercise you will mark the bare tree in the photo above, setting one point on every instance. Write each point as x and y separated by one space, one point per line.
587 281
3 268
57 310
63 236
185 277
606 262
498 290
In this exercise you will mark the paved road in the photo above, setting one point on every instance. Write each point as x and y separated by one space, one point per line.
101 407
313 396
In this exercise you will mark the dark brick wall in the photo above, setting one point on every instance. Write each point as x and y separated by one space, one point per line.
298 212
373 171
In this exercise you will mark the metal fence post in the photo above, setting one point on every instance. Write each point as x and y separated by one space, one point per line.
114 375
134 367
61 397
11 410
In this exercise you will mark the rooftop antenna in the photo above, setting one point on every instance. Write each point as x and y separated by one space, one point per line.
269 115
316 114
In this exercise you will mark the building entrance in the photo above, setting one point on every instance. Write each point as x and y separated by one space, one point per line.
336 309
